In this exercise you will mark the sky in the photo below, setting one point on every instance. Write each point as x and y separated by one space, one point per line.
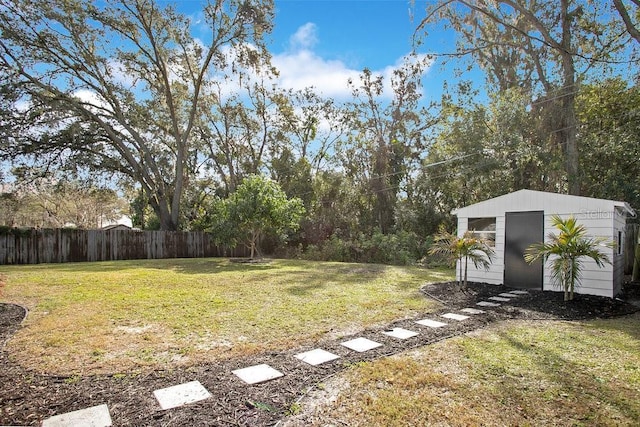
323 43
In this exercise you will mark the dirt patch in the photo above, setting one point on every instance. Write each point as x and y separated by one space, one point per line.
11 316
28 397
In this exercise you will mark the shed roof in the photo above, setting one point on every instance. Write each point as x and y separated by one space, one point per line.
531 200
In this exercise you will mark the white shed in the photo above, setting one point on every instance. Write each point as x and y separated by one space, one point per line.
516 220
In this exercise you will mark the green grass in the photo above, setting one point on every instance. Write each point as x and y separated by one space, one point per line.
117 316
519 373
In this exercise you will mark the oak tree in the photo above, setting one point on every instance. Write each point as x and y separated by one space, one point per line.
117 86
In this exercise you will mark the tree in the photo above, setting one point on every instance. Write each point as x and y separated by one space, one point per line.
547 47
484 150
608 114
259 206
462 250
245 128
55 203
121 84
387 136
630 23
566 251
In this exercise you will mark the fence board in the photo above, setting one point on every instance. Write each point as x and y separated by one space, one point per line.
36 246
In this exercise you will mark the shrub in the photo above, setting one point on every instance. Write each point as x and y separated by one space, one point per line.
399 248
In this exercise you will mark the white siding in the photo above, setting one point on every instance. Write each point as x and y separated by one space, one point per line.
595 280
602 218
619 224
495 274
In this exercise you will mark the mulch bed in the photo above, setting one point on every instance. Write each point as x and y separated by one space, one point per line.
28 397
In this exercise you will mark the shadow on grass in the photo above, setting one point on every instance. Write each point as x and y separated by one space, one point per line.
305 290
628 324
574 378
180 265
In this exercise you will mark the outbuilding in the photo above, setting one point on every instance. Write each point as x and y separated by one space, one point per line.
514 221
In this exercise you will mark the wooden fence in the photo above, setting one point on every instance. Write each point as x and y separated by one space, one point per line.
35 246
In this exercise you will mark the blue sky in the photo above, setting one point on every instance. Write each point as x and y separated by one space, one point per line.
359 33
324 42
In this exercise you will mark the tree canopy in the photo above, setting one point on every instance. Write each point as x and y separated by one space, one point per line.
120 86
196 132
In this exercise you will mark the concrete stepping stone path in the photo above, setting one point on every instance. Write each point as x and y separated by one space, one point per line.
181 394
519 292
431 323
257 374
361 344
400 333
487 304
95 416
316 357
501 299
454 316
472 311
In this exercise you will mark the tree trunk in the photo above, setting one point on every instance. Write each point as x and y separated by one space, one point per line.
165 216
255 238
466 265
569 121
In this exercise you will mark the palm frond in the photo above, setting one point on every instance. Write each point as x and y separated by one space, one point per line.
566 251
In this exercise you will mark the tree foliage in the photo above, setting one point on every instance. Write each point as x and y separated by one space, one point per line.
609 117
258 207
545 47
120 84
387 137
180 114
51 203
462 249
566 251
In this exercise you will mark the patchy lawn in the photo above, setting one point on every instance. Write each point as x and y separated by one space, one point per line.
544 373
127 315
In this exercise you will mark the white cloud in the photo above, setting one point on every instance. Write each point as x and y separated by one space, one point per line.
305 38
300 67
304 68
93 99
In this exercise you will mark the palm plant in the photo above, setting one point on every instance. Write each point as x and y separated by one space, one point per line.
567 251
464 249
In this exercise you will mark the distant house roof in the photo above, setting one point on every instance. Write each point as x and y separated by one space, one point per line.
116 227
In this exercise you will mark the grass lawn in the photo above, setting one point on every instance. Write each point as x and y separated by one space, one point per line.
125 315
513 374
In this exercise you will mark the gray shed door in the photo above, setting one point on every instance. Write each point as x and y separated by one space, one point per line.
521 230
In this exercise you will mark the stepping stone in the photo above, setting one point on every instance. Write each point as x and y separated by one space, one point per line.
431 323
519 292
317 356
257 374
400 333
487 304
472 311
508 295
95 416
454 316
181 394
501 299
361 344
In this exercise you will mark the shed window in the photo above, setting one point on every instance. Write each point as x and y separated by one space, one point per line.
484 228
